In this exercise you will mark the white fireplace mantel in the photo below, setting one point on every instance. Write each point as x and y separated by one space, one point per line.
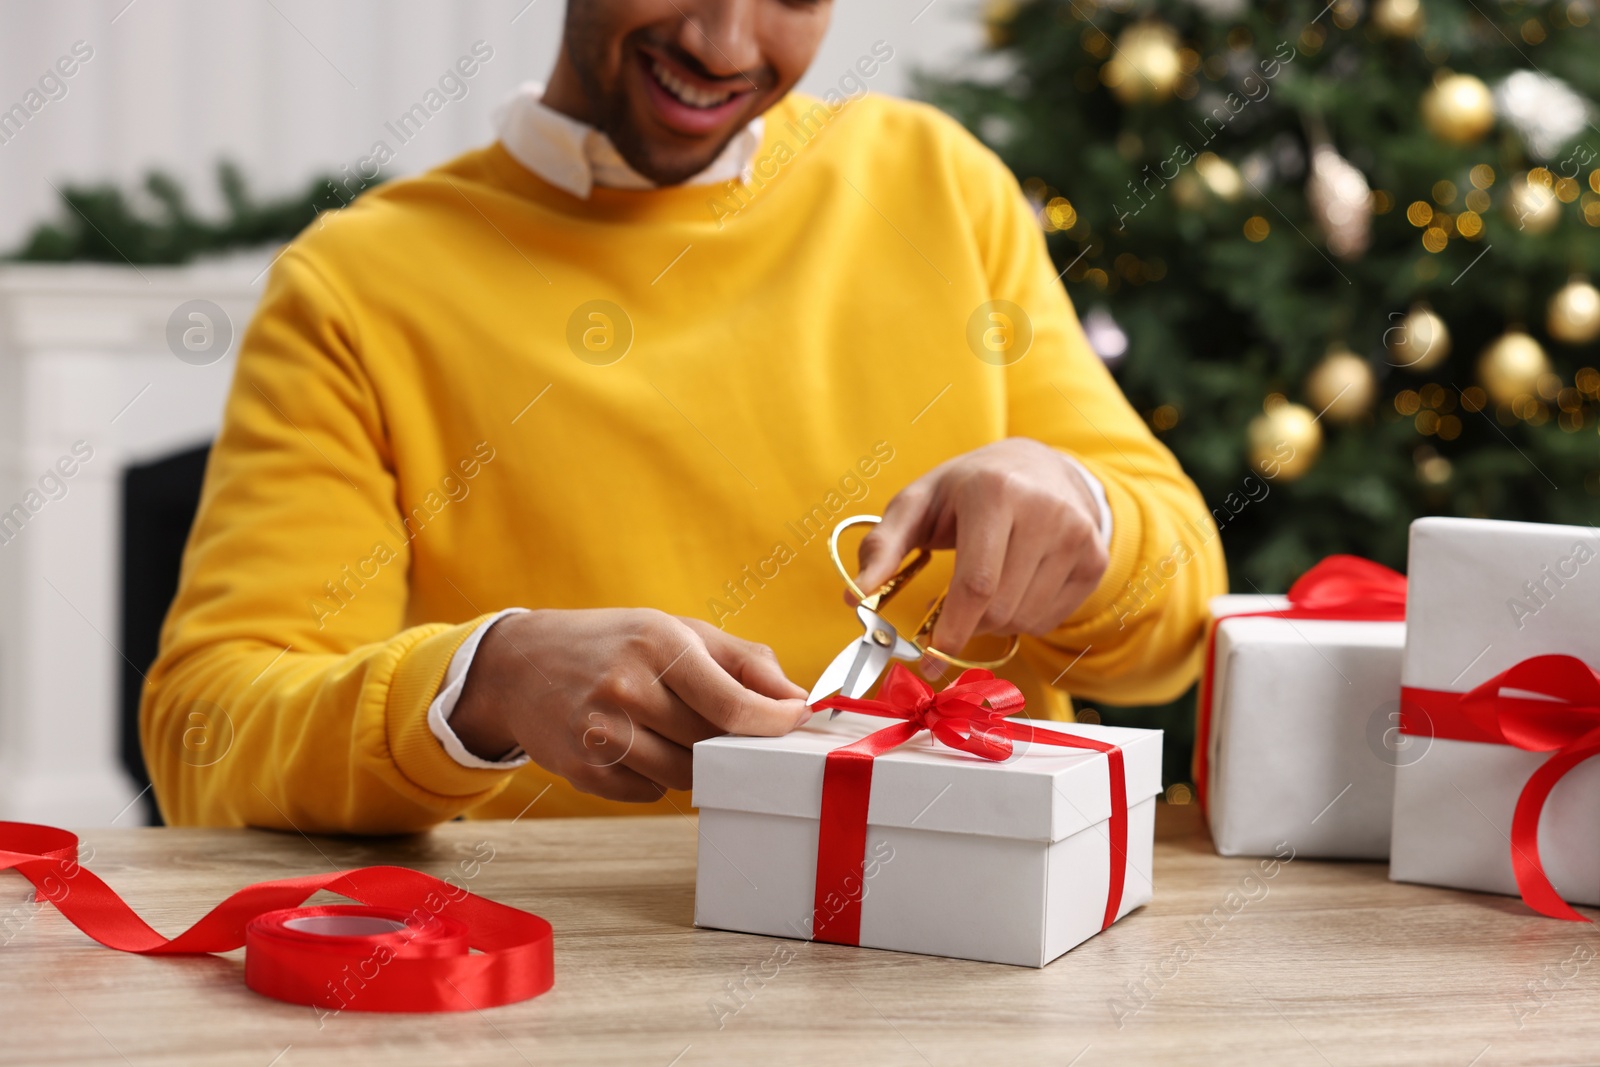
84 357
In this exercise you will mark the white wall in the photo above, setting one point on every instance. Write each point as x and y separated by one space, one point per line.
290 88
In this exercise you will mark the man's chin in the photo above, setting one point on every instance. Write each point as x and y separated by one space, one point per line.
673 171
668 165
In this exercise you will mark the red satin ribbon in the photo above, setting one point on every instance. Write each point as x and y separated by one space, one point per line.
423 968
1566 725
970 715
1342 588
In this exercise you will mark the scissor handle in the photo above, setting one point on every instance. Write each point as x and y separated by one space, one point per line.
885 592
924 635
896 582
880 594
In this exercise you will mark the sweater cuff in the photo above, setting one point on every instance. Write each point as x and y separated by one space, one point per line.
444 705
417 753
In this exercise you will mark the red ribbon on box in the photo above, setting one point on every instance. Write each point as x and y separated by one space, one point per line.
970 715
1567 725
1340 588
404 948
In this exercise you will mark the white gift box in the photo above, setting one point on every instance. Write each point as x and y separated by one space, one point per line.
1301 710
1003 862
1483 597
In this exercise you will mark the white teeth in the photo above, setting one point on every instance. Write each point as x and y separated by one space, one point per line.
685 92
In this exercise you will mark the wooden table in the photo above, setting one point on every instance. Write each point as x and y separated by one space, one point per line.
1321 964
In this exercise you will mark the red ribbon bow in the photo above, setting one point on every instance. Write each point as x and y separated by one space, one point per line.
422 964
1567 724
1342 588
969 715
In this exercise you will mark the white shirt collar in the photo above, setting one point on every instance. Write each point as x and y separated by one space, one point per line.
574 156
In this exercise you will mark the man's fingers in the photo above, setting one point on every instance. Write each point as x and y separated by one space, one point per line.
1067 577
755 666
616 783
1027 552
655 707
903 528
1040 610
1079 587
981 541
716 696
658 759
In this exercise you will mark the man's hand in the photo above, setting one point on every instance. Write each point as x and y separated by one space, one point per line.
1026 530
613 699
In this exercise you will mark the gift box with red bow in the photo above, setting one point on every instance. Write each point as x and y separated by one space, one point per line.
928 822
1501 698
1298 726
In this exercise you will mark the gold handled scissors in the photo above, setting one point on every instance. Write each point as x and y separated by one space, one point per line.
859 665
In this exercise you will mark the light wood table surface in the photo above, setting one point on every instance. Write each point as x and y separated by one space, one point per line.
1321 964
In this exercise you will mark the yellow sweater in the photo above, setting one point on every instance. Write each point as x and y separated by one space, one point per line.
429 423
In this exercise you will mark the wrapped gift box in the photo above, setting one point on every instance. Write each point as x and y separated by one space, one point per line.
1484 597
1004 862
1300 713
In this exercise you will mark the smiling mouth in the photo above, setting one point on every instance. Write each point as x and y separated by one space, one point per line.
686 94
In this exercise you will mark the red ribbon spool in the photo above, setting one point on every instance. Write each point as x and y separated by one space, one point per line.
406 947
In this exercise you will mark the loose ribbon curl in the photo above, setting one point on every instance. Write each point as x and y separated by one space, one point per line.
1567 724
417 961
1341 588
969 715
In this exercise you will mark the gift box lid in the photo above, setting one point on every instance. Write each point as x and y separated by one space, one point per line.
1043 793
1486 594
1267 630
1240 603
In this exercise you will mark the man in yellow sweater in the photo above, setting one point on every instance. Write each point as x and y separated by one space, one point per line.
530 459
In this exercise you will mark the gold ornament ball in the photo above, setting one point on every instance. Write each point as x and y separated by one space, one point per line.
1145 65
1419 342
1458 108
1285 441
1574 314
1511 366
997 16
1188 191
1342 386
1399 18
1220 176
1434 469
1532 207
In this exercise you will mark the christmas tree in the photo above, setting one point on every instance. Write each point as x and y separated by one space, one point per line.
1338 254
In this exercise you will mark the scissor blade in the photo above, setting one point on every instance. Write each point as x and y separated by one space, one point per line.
905 650
833 678
869 667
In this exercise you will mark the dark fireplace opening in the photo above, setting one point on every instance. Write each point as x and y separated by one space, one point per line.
159 500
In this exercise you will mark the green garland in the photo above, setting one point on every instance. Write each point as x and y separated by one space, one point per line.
101 223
